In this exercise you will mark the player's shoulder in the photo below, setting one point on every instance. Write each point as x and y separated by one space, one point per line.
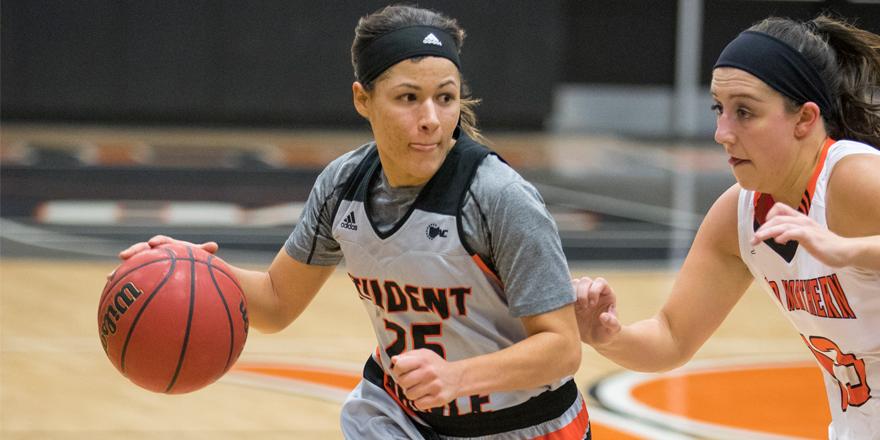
339 170
855 170
496 184
495 178
853 186
854 157
720 226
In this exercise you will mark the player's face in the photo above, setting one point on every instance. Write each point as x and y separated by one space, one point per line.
413 110
755 129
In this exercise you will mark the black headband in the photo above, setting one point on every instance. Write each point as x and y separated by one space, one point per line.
779 65
401 44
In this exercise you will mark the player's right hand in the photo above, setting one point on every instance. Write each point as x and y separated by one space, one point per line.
595 310
159 240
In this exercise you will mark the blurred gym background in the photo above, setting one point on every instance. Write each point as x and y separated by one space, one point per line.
212 118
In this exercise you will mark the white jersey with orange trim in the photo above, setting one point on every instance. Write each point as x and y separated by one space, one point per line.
836 310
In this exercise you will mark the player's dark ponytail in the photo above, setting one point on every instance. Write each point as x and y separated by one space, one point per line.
848 60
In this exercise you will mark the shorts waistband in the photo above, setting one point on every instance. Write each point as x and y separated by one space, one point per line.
539 409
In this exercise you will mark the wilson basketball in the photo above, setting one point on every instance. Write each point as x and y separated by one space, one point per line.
173 319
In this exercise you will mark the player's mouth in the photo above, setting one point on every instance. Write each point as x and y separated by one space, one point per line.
424 147
734 161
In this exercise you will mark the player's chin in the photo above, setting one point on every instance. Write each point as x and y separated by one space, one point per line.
426 168
746 181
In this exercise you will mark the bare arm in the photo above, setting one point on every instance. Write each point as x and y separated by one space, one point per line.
712 280
275 297
551 351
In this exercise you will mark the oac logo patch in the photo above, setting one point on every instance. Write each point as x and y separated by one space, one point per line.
433 231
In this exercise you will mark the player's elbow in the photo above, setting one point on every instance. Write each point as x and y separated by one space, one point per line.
265 323
568 358
573 361
681 357
269 327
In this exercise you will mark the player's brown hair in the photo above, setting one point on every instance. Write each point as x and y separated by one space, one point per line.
848 60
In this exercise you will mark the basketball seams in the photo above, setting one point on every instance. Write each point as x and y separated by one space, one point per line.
192 300
228 275
109 288
140 312
211 268
173 366
224 272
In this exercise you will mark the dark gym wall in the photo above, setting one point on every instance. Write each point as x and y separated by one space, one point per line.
633 41
286 63
620 42
725 19
269 62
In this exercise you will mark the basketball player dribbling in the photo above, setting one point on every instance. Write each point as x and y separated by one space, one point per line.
798 112
454 256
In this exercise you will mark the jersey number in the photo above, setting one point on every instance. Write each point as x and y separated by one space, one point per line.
847 370
419 333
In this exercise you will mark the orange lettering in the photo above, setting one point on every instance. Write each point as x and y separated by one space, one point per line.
840 296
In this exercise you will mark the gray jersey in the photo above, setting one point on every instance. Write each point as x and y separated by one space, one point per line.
500 208
432 269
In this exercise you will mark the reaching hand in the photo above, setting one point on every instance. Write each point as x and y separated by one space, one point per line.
159 240
426 378
785 224
595 310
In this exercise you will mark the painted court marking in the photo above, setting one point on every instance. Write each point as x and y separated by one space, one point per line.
740 398
725 399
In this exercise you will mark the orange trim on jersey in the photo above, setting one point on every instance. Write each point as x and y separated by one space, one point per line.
763 202
811 187
486 270
575 430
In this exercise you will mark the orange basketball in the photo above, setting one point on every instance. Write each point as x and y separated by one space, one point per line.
173 319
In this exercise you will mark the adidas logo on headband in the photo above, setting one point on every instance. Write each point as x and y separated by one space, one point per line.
431 39
401 44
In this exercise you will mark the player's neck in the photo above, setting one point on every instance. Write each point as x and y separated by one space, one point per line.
792 191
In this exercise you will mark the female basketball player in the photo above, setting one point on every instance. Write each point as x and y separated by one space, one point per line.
452 253
798 112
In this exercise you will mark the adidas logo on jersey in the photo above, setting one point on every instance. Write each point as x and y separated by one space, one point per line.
348 222
431 39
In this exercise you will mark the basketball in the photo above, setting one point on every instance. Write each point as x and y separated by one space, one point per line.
172 319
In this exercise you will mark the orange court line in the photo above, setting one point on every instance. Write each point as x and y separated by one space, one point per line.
785 400
336 379
600 431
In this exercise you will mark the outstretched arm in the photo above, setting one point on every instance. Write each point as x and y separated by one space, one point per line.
712 280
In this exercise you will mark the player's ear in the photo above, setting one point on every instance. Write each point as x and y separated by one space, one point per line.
361 99
808 116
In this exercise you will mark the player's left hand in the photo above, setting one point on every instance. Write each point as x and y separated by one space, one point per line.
785 224
426 378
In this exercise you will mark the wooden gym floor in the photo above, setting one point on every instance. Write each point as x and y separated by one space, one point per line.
55 381
753 379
